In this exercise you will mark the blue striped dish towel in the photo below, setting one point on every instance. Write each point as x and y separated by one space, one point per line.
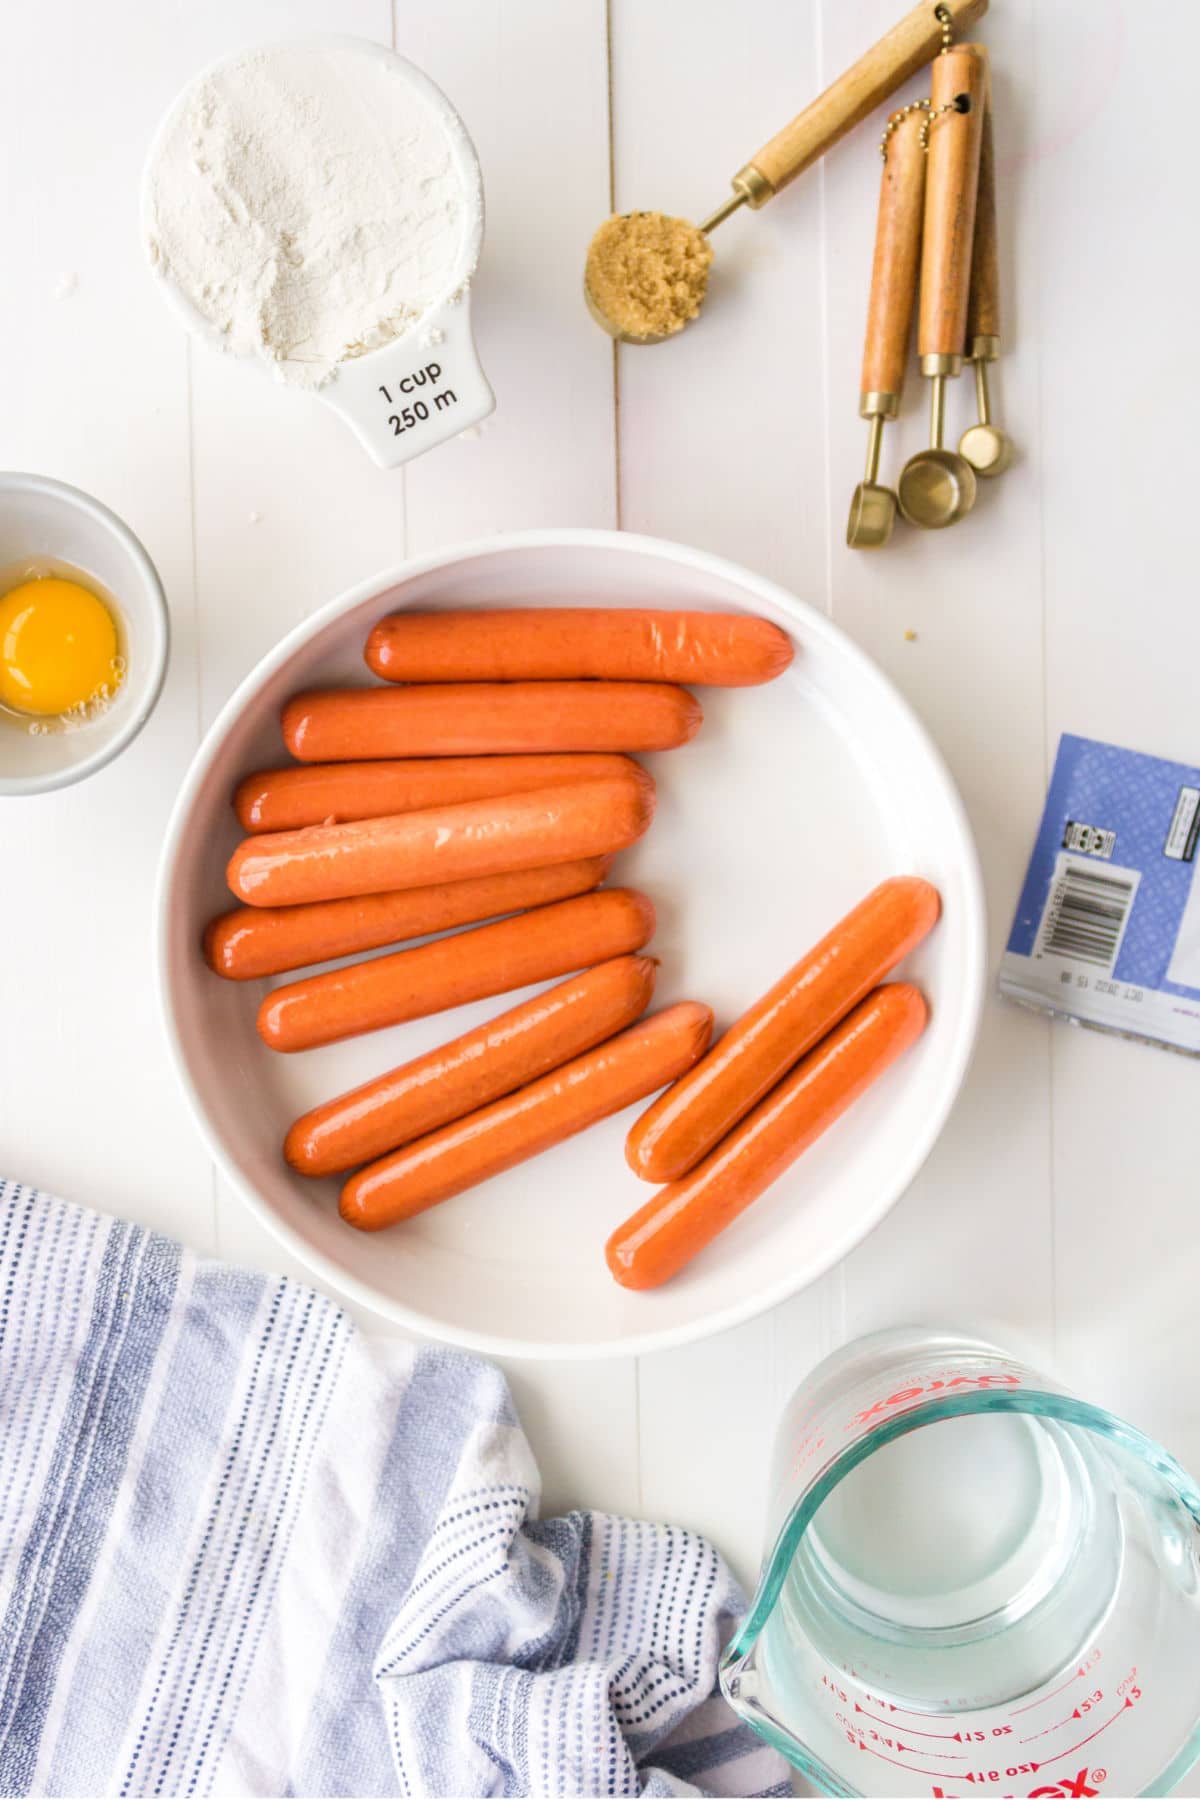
246 1550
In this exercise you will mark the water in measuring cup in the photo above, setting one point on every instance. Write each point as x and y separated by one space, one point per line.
953 1521
957 1565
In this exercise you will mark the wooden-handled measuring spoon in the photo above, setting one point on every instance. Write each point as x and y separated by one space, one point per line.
889 319
937 486
614 269
988 449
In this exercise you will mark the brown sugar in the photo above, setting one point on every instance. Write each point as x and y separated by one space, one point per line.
647 272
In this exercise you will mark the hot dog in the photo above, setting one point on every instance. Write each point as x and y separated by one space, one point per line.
252 941
533 1119
332 793
572 644
684 1124
450 971
522 1044
676 1223
488 719
443 843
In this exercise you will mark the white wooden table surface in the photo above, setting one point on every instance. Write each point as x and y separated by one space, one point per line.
1059 1211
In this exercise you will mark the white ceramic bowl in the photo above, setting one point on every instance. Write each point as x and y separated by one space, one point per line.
43 518
790 804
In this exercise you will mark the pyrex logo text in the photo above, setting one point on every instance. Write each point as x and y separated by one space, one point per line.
1077 1789
932 1387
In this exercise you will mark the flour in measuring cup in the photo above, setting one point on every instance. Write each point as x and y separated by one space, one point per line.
307 201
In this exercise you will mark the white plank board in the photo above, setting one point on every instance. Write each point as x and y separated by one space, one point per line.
95 393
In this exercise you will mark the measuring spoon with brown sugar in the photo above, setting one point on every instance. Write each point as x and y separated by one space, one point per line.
647 273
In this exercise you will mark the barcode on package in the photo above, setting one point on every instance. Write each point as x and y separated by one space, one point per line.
1086 913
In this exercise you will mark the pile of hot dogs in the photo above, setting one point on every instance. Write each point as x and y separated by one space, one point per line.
491 781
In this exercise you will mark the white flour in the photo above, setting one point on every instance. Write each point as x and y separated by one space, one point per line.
308 203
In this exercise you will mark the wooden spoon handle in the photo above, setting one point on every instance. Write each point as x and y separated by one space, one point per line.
905 49
951 183
894 271
983 308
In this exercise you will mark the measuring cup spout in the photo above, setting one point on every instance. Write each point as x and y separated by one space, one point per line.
413 394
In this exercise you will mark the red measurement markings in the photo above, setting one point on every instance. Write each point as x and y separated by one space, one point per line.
933 1774
1080 1674
856 1734
1124 1706
909 1714
878 1700
1081 1712
953 1736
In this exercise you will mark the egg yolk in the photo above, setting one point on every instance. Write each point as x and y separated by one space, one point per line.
58 647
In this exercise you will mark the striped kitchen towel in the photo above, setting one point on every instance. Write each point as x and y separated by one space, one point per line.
245 1550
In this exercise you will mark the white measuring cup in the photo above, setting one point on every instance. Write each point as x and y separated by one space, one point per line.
975 1583
426 386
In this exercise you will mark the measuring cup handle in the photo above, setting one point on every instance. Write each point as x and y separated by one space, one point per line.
416 392
983 308
894 271
951 184
906 48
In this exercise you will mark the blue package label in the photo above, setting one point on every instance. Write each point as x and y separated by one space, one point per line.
1107 930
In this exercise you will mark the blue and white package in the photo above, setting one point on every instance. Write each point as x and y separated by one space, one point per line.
1107 931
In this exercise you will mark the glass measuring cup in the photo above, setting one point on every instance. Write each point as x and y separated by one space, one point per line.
975 1583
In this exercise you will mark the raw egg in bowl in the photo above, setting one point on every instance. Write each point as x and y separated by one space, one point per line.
83 634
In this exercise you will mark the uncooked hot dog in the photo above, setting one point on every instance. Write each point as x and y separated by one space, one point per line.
529 1121
252 941
684 1124
450 971
676 1223
530 643
443 843
332 793
482 718
475 1069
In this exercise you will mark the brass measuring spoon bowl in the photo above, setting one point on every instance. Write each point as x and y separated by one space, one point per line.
937 486
872 516
652 266
988 449
614 331
936 489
